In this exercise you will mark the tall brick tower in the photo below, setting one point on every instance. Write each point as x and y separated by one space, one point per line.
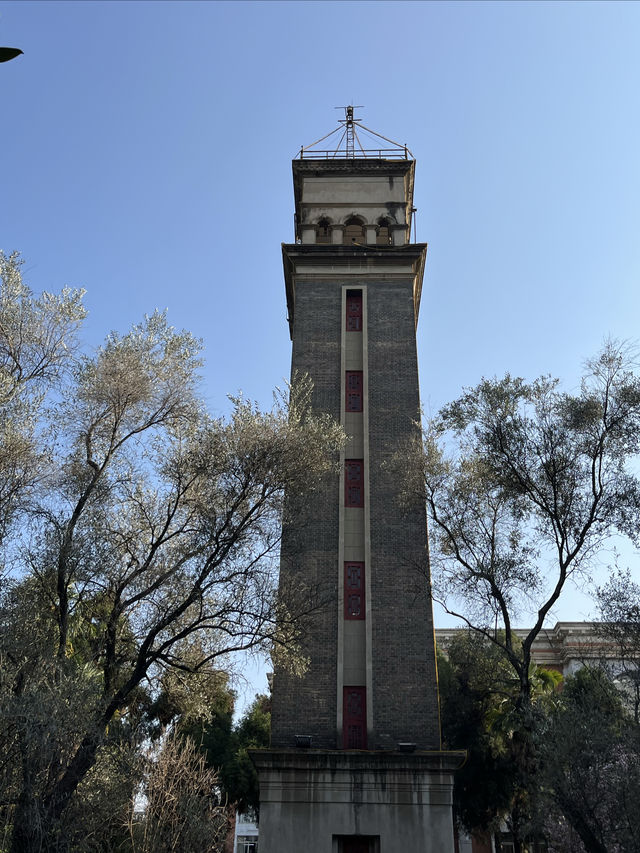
355 762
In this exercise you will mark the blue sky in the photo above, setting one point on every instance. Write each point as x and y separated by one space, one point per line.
146 151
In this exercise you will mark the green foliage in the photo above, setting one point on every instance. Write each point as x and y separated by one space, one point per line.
590 768
580 784
484 785
227 748
480 713
239 776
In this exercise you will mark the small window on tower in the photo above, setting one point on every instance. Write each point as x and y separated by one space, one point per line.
354 310
354 717
353 390
354 591
354 482
323 231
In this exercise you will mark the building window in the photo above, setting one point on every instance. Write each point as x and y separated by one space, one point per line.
354 715
323 231
354 590
354 310
354 232
353 390
247 844
354 482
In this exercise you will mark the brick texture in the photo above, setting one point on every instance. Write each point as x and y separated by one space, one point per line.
309 554
404 688
405 699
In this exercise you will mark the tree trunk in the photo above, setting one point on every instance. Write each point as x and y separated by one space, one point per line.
35 828
591 842
27 825
26 836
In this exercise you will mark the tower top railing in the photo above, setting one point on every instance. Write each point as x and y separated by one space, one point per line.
365 153
349 145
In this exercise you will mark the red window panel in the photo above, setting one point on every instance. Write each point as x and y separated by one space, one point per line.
354 482
353 390
354 591
354 310
354 717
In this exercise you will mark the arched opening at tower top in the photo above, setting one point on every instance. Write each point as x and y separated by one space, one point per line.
354 231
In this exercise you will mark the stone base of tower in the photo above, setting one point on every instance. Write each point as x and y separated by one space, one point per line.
340 801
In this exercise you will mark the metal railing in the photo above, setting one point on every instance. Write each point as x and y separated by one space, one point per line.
362 154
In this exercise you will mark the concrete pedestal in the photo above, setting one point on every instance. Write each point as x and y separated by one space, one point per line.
315 801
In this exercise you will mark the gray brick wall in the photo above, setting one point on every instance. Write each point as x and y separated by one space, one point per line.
309 558
404 676
405 702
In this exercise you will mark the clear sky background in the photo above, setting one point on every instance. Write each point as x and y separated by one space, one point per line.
146 150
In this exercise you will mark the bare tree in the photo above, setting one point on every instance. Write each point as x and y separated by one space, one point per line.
179 808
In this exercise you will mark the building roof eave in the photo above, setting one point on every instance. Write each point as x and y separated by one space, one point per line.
356 261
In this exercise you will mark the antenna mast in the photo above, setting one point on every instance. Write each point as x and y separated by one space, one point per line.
349 138
349 123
